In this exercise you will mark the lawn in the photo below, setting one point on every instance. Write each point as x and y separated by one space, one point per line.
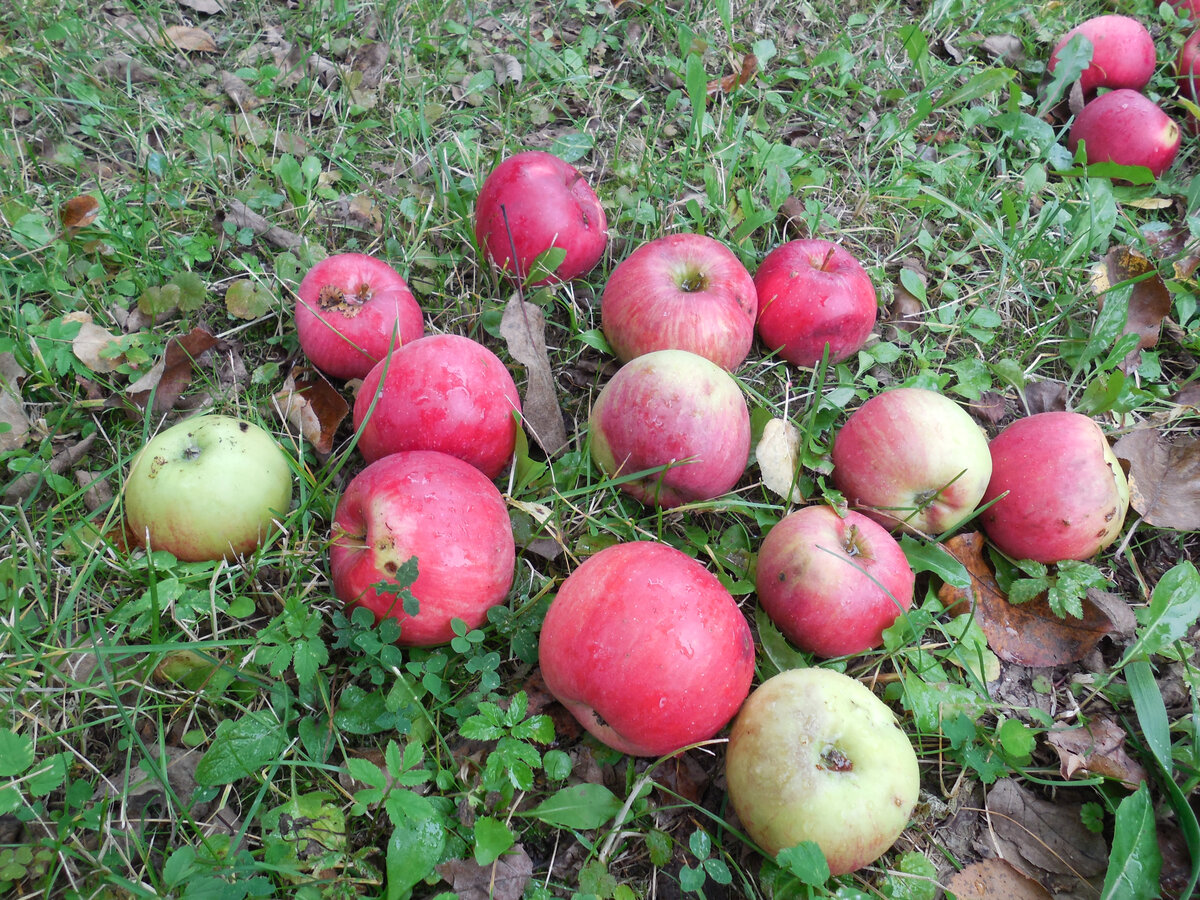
170 171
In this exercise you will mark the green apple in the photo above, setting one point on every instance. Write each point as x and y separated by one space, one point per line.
207 488
815 756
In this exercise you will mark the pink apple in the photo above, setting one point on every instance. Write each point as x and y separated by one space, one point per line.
542 202
1127 128
832 583
352 309
912 458
441 510
673 408
1123 54
1065 494
812 294
646 649
1187 71
681 292
442 392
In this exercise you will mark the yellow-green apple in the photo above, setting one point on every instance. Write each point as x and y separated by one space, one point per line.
646 649
1126 128
815 756
534 201
1123 54
912 458
1059 491
832 583
352 309
207 488
444 512
681 292
441 392
676 409
813 293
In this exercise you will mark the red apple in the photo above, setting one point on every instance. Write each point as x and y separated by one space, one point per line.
543 202
1123 54
673 408
814 293
1065 493
352 309
441 510
442 392
1186 73
1127 128
681 292
912 458
832 583
646 649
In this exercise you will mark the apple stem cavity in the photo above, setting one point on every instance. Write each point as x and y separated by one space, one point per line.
693 281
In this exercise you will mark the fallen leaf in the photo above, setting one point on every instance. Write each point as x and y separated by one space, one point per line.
1164 477
731 83
313 406
995 879
1149 303
92 347
1045 396
239 92
523 326
12 409
208 7
63 461
1097 748
505 879
778 455
1039 836
78 212
1008 49
97 493
369 61
171 376
195 40
991 408
507 69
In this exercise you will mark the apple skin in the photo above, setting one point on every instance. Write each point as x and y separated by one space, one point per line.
813 292
668 406
1186 74
352 308
646 649
441 510
830 583
548 204
441 392
208 488
1127 128
1123 54
912 458
1067 493
681 292
815 756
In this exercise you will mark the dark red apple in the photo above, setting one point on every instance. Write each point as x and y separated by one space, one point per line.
1123 54
812 294
543 202
352 309
441 510
1065 494
442 392
646 649
1127 128
832 583
681 292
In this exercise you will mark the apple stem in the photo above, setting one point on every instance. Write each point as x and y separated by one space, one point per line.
828 256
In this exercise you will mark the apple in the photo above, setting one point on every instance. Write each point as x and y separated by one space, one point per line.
832 583
442 392
815 756
813 293
1186 74
1127 128
912 458
1123 54
646 649
681 292
444 512
534 201
1060 492
352 309
672 408
208 488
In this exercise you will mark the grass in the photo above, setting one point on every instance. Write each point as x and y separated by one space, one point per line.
228 730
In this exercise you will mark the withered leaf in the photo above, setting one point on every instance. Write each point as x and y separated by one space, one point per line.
778 455
1045 396
239 92
208 7
12 409
505 879
1149 303
369 60
122 67
732 82
97 348
191 39
1038 836
1164 477
246 299
62 461
78 212
989 879
313 406
1097 748
523 326
173 373
507 69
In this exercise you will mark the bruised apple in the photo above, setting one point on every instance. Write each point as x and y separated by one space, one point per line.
646 649
442 392
1123 54
1126 128
1059 491
815 756
444 512
832 583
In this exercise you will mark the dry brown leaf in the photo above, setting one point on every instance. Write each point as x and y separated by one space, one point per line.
1045 396
191 39
239 92
78 212
731 83
313 406
12 409
62 462
507 69
1164 477
208 7
990 409
1097 748
1040 837
1006 48
778 455
505 879
92 347
994 879
523 326
121 67
97 492
369 61
1149 303
171 376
